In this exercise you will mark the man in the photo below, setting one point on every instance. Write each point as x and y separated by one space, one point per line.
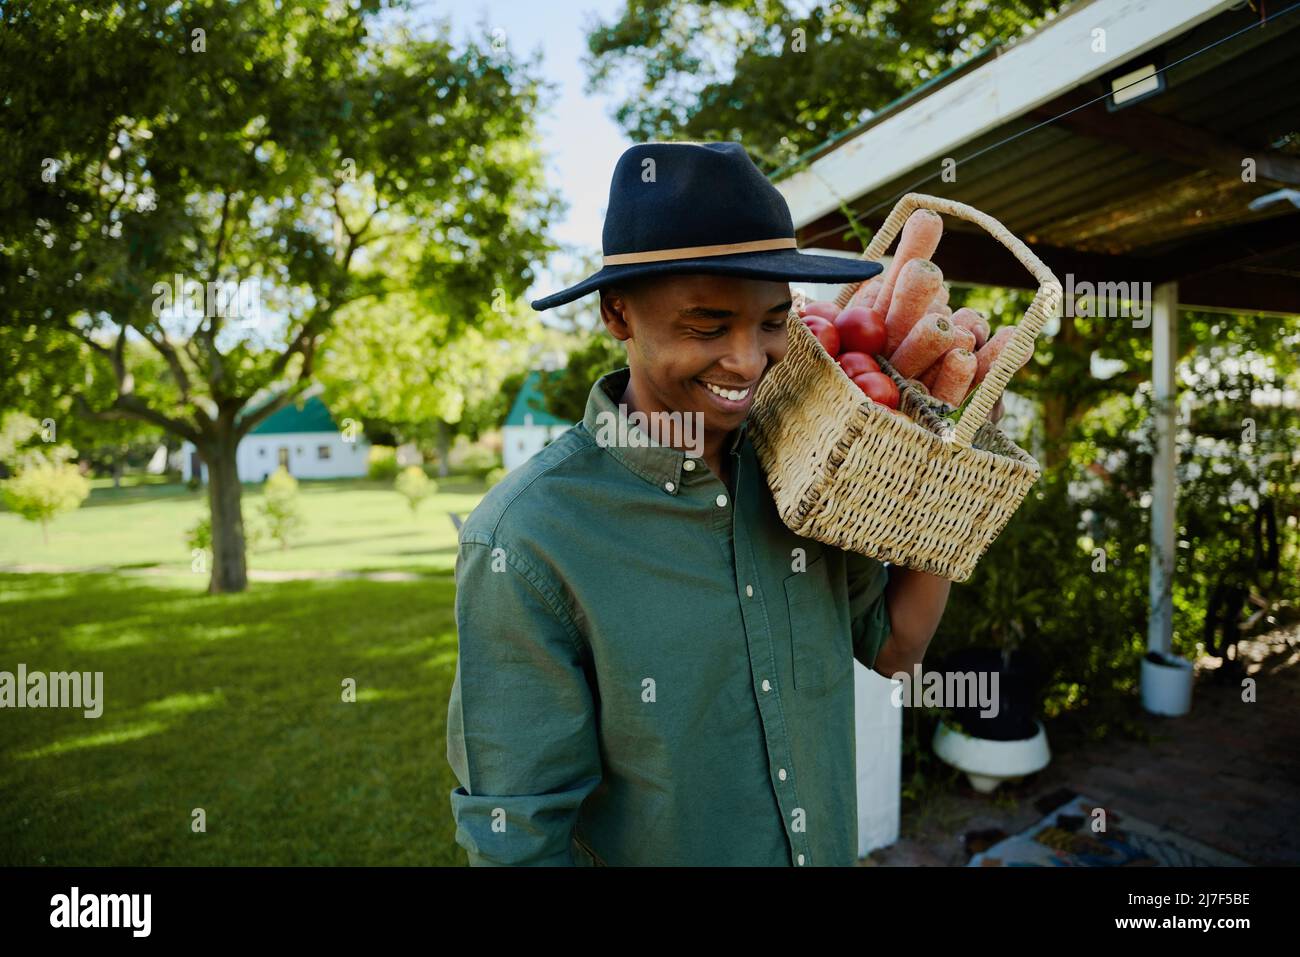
653 669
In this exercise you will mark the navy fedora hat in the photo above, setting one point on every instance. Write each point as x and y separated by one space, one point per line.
677 207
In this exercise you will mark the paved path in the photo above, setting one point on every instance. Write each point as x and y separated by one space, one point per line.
1227 774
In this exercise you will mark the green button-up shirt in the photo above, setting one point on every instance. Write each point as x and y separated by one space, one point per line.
653 669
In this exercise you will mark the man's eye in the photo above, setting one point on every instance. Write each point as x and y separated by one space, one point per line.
709 333
776 325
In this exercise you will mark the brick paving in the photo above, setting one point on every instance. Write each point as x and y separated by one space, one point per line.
1227 774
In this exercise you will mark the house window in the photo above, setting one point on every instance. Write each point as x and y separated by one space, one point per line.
261 451
322 451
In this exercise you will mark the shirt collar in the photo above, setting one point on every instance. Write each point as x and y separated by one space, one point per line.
659 465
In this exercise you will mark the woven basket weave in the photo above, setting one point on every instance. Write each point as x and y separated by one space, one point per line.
905 487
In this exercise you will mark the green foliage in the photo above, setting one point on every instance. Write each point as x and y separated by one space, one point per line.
495 476
690 70
199 535
414 486
478 461
381 463
565 391
43 486
280 507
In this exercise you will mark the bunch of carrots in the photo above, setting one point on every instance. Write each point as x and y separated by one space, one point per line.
947 353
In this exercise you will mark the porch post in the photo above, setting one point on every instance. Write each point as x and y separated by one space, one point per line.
1160 622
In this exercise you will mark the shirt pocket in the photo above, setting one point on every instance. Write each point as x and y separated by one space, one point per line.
821 655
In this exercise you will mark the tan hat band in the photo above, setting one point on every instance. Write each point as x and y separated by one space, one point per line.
692 252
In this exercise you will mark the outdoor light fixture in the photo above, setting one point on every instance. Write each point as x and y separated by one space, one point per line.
1133 86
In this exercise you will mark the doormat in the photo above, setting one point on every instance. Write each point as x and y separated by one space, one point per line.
1065 838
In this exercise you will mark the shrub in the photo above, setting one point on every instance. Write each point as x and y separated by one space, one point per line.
413 485
280 506
495 476
43 487
479 461
382 463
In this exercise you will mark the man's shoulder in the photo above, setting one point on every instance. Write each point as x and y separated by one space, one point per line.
522 493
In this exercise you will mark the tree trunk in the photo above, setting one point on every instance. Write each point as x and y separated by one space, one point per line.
444 449
117 468
229 567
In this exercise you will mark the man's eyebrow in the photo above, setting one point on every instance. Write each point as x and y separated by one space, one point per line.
705 312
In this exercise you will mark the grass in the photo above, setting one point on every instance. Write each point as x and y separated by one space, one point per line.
348 525
231 704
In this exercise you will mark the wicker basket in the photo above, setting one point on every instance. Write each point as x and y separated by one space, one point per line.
906 487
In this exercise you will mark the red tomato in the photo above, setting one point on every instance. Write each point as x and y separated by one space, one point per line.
879 387
856 363
825 332
861 330
825 310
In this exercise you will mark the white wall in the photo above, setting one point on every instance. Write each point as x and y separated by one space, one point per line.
519 443
259 455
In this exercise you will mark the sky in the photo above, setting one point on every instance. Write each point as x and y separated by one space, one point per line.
579 138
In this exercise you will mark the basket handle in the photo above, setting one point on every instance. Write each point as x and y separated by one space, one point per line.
1017 352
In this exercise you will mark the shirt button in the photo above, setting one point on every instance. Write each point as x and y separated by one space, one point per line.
767 685
781 774
722 501
749 591
669 486
801 860
689 465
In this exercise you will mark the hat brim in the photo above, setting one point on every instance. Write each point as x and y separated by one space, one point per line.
780 264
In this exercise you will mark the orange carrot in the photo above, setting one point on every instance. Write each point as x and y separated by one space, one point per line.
917 283
866 294
973 320
918 240
991 350
942 308
965 338
929 339
927 377
956 373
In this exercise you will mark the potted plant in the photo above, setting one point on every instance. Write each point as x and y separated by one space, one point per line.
1166 683
1009 741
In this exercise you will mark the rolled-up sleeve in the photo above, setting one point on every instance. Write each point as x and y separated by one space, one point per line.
521 721
868 611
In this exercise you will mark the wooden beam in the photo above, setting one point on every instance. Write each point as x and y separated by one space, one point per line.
1146 132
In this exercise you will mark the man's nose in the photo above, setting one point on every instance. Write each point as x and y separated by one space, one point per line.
747 357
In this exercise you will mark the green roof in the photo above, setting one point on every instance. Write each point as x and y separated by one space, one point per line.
311 416
529 400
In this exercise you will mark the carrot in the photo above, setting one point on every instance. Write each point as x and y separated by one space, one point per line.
991 350
927 377
973 320
866 294
929 339
940 298
918 240
965 339
956 373
917 283
942 308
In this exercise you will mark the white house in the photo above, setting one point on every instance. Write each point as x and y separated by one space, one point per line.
303 438
528 427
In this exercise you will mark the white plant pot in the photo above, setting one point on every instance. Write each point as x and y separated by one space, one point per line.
988 763
1167 689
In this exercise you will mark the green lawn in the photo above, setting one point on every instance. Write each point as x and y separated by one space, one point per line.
233 703
348 524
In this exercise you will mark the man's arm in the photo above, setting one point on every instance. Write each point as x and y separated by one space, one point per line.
521 722
916 602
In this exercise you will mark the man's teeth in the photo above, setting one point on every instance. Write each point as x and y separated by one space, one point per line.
735 395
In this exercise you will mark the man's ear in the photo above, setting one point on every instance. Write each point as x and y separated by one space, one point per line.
613 313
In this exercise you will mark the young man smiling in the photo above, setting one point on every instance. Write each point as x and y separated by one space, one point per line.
652 668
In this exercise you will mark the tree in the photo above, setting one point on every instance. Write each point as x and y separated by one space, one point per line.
414 486
220 181
280 506
780 79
